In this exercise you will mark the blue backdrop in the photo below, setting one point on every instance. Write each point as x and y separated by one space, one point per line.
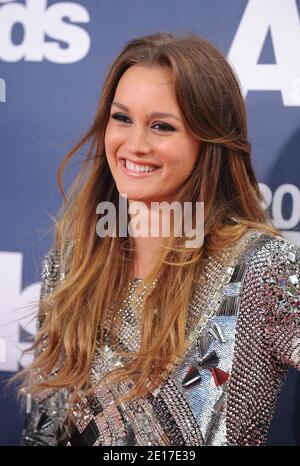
53 57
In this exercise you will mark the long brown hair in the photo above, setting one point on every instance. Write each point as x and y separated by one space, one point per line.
212 105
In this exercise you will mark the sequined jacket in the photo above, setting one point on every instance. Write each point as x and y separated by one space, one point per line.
243 329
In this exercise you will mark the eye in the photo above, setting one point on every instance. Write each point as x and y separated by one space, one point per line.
160 126
164 127
120 117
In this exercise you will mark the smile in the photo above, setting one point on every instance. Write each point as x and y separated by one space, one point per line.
137 170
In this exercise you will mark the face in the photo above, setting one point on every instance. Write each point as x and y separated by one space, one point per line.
149 150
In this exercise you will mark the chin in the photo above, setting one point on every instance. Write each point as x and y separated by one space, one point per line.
138 197
130 192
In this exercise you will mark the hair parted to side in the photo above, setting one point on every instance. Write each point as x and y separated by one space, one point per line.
75 316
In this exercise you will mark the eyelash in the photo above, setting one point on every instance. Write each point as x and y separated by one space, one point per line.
120 116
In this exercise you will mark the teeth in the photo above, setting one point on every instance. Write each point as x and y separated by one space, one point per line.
138 168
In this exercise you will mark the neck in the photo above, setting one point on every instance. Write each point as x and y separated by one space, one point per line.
145 254
147 242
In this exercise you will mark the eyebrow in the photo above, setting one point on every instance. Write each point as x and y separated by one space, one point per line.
152 115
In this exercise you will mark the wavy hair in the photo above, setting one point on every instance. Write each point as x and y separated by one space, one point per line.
74 316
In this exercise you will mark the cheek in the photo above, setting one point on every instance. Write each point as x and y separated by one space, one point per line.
181 157
111 144
171 153
189 155
112 139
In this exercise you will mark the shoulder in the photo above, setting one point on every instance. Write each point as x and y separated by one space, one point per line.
273 256
51 265
55 266
272 279
53 270
51 273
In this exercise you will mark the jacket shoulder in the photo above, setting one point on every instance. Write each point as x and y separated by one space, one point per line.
271 293
55 265
275 256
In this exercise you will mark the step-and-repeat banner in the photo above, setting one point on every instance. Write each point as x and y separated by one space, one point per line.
53 57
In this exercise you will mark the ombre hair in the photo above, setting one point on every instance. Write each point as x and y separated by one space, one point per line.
74 315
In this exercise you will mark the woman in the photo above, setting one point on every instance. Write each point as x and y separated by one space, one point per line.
144 340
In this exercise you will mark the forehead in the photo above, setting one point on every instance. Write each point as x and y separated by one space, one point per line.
142 81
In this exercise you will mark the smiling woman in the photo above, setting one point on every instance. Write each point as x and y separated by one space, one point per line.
142 340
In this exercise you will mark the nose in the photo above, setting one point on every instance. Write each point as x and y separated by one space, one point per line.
138 142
